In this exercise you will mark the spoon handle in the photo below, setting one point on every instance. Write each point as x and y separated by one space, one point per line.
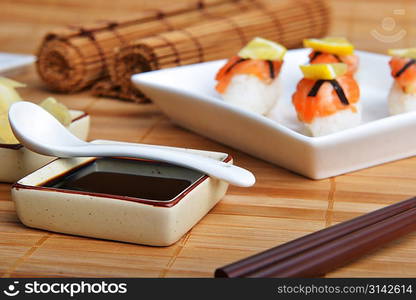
227 172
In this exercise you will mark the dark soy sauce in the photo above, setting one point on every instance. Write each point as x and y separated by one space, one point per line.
126 178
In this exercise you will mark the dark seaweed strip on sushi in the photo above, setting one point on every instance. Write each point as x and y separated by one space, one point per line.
234 64
315 88
340 92
317 53
271 69
337 87
405 67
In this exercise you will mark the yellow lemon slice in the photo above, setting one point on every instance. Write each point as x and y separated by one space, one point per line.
58 110
333 45
11 83
6 133
323 71
259 48
335 39
407 52
8 94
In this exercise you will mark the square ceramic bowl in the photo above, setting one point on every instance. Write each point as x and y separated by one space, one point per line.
129 200
187 95
18 161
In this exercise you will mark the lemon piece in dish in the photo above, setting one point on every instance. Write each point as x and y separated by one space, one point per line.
6 133
8 93
259 48
58 110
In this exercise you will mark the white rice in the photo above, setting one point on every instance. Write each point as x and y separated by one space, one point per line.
399 101
250 93
341 120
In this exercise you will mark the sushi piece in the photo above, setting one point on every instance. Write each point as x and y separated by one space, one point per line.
327 99
250 80
332 50
402 97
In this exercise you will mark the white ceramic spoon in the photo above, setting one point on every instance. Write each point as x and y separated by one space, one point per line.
40 132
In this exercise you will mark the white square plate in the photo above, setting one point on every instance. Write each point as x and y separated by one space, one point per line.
187 95
11 63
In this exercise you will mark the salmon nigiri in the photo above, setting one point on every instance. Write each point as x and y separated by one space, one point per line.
402 97
332 50
327 99
250 79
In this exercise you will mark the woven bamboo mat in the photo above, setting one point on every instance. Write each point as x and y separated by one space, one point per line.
280 207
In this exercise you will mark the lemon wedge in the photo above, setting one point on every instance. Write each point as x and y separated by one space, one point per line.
8 94
323 71
259 48
6 133
333 45
11 83
407 52
58 110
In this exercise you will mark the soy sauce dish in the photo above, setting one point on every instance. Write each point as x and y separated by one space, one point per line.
123 199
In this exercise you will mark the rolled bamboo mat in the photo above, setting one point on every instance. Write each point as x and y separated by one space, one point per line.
106 88
73 58
285 21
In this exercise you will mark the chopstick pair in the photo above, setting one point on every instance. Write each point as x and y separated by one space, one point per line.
320 252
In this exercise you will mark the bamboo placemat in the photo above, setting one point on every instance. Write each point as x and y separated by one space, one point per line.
280 207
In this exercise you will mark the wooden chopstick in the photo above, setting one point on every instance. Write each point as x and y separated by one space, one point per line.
324 250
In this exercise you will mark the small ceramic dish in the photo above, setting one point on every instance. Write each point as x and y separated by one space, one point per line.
18 161
187 96
123 199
